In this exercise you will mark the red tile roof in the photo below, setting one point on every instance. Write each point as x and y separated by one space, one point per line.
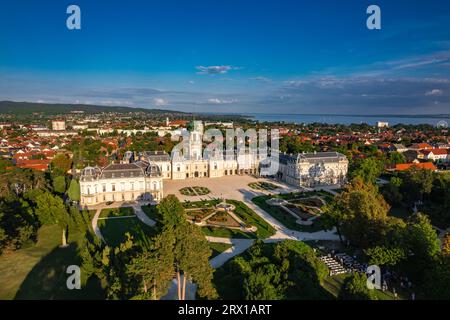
407 166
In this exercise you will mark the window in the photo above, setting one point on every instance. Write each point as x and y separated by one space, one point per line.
168 168
122 186
132 186
113 186
104 187
155 185
178 168
141 185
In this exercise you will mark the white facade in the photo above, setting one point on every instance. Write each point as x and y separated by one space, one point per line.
58 125
121 182
313 169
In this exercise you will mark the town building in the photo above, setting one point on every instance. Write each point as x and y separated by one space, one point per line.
313 169
58 125
121 182
140 175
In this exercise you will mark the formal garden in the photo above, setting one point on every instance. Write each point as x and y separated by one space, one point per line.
194 191
266 186
296 211
228 219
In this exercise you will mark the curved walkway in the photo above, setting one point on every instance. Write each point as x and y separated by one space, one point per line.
137 209
95 225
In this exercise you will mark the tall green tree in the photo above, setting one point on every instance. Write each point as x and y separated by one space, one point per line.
191 250
60 164
74 190
59 184
154 268
50 209
368 169
355 288
360 213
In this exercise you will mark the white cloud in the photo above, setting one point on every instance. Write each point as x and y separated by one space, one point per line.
262 79
434 92
220 101
159 102
215 69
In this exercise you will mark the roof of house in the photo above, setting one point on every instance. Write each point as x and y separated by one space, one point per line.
407 166
316 157
156 156
436 152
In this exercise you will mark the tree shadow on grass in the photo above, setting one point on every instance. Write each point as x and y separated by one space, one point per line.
47 279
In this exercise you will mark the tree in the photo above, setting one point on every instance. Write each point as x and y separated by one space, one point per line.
368 169
191 250
259 286
355 288
154 267
191 260
437 278
396 158
422 245
360 213
74 190
51 210
382 255
60 164
417 183
171 211
59 184
392 191
446 245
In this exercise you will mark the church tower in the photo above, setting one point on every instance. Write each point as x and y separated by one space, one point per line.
195 140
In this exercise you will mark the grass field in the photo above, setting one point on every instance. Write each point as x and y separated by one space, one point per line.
39 271
284 217
117 212
218 248
114 230
227 233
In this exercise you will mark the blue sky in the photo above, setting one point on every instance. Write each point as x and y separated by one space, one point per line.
311 56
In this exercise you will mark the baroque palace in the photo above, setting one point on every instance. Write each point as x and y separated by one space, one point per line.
140 175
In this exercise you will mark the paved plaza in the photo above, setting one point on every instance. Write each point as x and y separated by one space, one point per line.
229 187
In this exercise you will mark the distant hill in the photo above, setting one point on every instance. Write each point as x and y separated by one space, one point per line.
20 108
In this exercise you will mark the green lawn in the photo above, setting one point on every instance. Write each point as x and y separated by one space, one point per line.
249 217
227 233
218 248
117 212
333 285
284 217
114 230
39 271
